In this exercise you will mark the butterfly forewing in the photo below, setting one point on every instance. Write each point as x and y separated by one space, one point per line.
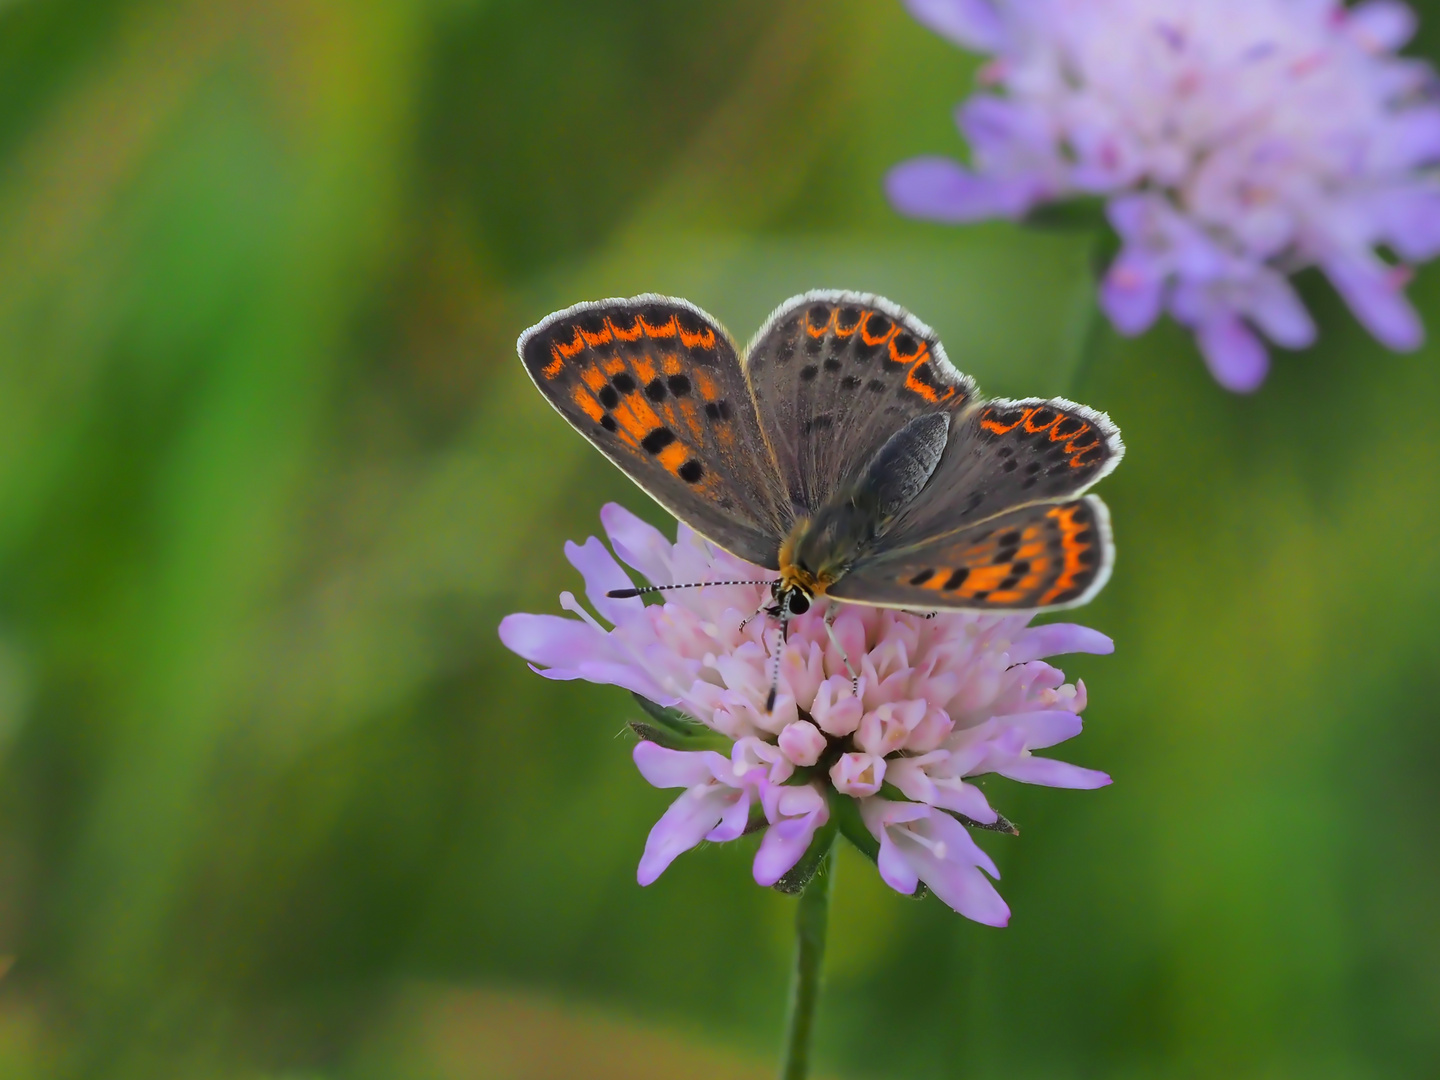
656 385
1046 555
834 375
1005 454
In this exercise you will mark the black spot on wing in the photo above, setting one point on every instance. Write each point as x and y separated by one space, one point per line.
689 322
657 440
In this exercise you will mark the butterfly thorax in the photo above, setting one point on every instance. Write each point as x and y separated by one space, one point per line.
820 550
822 547
799 580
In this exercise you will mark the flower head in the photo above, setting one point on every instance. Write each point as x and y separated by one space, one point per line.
940 701
1235 141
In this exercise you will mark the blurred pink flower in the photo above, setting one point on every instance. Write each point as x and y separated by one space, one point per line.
1235 141
941 700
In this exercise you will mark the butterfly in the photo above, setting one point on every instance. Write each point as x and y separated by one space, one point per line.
841 449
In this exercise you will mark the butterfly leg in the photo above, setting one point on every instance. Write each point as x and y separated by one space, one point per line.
835 640
767 607
753 615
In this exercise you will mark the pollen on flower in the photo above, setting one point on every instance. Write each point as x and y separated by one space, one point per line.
1234 141
941 701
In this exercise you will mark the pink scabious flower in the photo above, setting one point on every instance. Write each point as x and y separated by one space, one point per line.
940 701
1234 141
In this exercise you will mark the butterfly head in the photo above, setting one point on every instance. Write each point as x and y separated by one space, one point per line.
788 599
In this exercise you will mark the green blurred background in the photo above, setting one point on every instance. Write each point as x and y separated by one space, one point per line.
275 803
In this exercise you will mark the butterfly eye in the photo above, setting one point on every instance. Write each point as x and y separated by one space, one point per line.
799 603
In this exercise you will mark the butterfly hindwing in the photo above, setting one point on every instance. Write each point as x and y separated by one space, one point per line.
656 385
1004 454
1045 555
834 375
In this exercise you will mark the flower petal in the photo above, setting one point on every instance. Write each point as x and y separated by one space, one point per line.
1275 308
1381 25
1373 292
553 640
1048 772
1233 354
665 768
858 775
602 573
956 879
795 813
1044 727
1409 220
938 189
734 821
681 827
971 24
1131 293
639 544
1410 139
627 676
1052 639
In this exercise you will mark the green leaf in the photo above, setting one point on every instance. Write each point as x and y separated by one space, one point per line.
672 720
674 730
1001 824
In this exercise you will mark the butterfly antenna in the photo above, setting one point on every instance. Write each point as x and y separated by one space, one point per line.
628 594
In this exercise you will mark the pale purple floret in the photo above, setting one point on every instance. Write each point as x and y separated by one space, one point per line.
1235 141
940 701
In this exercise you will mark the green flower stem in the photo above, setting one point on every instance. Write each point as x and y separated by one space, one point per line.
1088 324
1090 340
811 916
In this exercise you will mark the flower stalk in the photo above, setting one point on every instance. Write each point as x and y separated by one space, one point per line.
812 916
